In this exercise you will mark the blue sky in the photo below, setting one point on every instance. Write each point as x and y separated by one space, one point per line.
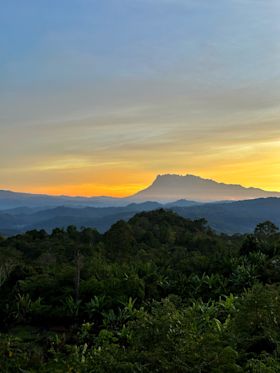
90 90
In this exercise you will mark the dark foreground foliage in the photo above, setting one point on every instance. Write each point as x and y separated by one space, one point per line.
156 294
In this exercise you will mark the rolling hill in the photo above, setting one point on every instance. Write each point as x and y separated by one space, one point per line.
227 217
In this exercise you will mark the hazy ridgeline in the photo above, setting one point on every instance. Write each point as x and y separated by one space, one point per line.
190 196
227 217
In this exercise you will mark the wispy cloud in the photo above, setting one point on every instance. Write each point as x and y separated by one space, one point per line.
138 87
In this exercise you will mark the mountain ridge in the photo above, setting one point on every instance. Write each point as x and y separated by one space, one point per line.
170 187
227 217
166 188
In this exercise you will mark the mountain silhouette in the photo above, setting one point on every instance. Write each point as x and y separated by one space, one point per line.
168 188
188 189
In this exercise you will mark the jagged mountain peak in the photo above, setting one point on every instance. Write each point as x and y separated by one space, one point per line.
171 187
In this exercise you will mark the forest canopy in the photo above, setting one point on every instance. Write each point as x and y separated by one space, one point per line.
158 293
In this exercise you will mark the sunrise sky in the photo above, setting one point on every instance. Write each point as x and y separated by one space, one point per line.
97 97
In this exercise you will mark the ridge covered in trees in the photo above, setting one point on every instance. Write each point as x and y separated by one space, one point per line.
158 293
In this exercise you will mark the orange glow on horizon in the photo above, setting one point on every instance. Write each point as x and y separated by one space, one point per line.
257 167
117 191
113 189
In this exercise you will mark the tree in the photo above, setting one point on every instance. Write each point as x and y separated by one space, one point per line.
266 229
249 245
119 240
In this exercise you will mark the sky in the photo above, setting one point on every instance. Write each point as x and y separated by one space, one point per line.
98 97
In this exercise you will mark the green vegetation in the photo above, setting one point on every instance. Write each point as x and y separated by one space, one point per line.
157 294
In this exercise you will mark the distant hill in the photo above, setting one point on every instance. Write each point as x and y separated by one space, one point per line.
20 220
18 202
165 189
235 217
14 200
227 217
168 188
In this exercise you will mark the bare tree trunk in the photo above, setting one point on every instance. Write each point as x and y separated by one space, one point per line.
77 275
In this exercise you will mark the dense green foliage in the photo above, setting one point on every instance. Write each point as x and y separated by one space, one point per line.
156 294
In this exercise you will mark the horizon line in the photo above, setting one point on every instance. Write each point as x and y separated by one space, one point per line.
129 196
